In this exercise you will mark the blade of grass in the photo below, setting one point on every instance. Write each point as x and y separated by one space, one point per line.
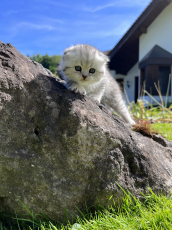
26 208
168 88
157 102
159 92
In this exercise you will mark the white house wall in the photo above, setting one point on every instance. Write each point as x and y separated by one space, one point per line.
113 73
130 78
116 76
158 33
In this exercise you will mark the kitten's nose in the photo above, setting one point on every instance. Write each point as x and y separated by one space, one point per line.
84 77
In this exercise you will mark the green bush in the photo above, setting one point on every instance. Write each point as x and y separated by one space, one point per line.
49 62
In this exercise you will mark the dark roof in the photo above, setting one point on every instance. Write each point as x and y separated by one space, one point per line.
126 53
156 56
106 52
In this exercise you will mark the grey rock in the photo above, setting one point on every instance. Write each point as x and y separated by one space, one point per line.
59 149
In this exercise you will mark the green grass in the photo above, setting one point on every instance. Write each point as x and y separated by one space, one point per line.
153 213
163 129
144 110
157 113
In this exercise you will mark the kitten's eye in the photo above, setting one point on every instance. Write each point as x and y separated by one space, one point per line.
92 70
78 68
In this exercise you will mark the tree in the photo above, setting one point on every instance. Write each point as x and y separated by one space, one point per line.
49 62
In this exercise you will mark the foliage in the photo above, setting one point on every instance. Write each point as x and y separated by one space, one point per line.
138 110
49 62
144 110
157 113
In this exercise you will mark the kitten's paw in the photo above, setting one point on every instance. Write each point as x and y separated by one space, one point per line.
78 89
132 122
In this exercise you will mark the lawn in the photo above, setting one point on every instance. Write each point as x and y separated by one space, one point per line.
154 212
164 129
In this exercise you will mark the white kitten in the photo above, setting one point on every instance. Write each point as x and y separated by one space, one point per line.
84 68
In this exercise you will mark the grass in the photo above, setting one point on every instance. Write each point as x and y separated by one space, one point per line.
159 113
154 212
164 129
144 110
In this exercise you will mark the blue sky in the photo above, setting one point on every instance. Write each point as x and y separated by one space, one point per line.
50 26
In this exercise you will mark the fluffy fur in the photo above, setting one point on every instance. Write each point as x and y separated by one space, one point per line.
84 69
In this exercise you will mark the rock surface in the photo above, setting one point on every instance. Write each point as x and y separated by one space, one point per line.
59 150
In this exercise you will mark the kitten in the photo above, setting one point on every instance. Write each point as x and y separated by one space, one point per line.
84 69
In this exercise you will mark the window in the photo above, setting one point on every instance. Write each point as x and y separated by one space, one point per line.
155 73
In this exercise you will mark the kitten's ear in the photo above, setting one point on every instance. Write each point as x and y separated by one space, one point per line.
106 58
68 53
68 50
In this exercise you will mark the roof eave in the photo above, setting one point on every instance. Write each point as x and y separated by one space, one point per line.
131 39
138 24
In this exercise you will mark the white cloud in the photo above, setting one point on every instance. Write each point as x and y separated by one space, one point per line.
10 12
59 4
28 25
114 3
59 21
129 3
117 3
119 30
92 10
106 32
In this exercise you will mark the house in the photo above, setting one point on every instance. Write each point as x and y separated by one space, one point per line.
144 54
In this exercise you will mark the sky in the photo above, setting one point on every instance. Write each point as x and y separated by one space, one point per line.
50 26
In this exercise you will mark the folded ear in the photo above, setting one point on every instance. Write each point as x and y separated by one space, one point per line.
68 50
67 57
106 58
68 53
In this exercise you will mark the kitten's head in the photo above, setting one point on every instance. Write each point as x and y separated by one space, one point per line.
84 64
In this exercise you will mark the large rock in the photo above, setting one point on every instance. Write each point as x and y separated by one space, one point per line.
59 150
